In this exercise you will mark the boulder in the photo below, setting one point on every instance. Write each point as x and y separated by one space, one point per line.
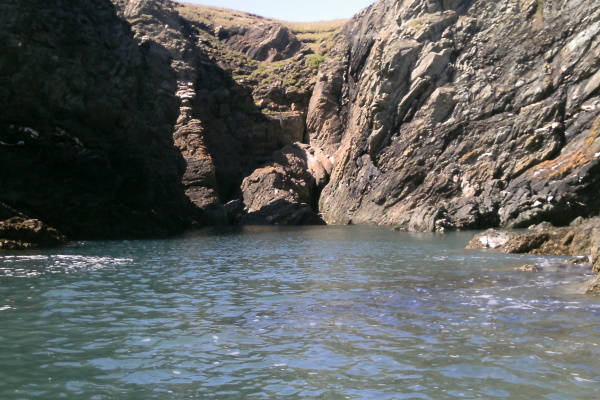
525 243
491 238
285 190
268 42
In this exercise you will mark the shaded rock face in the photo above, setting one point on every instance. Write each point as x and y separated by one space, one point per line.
263 42
18 233
221 133
85 122
461 114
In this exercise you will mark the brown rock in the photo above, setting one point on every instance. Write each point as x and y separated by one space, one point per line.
19 233
283 191
593 288
525 243
529 268
267 42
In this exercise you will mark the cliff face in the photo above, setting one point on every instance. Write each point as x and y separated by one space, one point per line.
457 114
427 114
85 123
230 121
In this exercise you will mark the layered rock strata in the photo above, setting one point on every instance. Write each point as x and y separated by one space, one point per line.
461 114
86 123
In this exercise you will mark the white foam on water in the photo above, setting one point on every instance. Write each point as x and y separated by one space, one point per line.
578 379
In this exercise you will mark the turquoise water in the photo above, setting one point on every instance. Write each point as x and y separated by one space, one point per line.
303 313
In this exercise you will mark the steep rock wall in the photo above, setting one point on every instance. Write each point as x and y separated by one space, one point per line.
221 132
461 114
86 117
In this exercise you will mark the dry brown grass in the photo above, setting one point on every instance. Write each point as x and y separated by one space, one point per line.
217 16
315 34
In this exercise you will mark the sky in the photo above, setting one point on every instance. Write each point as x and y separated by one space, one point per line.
293 10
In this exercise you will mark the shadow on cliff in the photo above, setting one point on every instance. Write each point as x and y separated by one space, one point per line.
85 123
281 212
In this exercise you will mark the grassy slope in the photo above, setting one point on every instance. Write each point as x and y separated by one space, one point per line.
296 75
314 34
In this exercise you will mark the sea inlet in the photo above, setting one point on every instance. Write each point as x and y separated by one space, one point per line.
298 313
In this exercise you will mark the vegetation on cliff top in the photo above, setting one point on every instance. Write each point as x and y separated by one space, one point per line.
296 74
317 35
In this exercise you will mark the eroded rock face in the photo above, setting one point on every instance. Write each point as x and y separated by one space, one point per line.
462 114
86 116
220 131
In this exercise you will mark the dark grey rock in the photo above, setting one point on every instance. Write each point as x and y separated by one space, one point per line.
86 116
462 115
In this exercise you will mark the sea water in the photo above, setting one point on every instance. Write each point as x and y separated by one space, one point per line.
294 313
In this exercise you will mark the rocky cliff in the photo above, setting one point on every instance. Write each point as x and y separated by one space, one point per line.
457 114
244 89
86 120
429 115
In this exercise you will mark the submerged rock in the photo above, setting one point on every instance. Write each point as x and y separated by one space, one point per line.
594 288
19 233
529 268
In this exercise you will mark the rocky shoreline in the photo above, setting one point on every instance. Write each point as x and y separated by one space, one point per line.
581 240
146 118
18 233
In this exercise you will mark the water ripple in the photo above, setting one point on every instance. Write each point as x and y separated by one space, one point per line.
315 313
